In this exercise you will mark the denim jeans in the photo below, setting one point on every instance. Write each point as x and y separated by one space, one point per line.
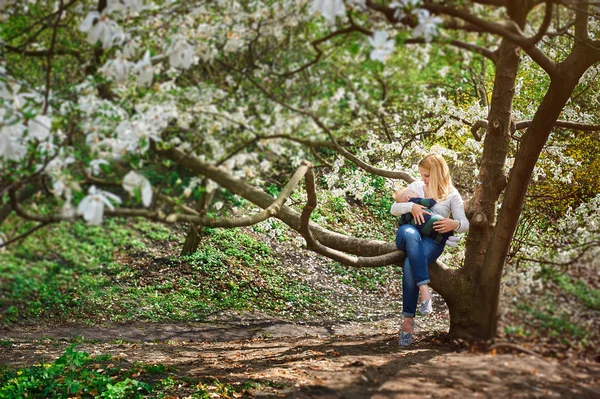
420 251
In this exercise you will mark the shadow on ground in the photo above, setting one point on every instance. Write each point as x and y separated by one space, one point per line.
312 361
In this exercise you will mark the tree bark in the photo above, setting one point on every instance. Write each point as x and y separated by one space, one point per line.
195 233
532 143
469 315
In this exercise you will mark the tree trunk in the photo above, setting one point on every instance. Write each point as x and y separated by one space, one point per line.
195 233
467 316
532 143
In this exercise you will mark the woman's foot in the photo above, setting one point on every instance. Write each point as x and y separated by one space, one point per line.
426 305
406 331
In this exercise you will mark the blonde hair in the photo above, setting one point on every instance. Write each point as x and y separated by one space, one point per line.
440 183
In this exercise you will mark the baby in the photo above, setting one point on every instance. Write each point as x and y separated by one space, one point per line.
426 229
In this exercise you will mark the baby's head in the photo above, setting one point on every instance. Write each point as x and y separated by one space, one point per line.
405 195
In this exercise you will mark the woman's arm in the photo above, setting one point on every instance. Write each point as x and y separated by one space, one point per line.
400 208
457 207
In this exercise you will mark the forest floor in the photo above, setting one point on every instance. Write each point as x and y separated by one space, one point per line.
314 360
345 349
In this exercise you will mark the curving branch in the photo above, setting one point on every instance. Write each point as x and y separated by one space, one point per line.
315 44
14 203
545 24
346 154
267 213
566 124
192 215
581 20
460 44
480 124
517 37
43 53
376 171
333 144
314 245
41 21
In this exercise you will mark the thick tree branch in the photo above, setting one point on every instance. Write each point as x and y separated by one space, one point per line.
480 124
289 216
581 20
340 242
268 212
517 37
566 124
314 245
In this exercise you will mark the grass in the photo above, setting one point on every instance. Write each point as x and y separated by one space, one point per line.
77 374
589 296
547 322
102 274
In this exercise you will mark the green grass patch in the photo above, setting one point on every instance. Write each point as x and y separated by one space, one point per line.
74 374
105 274
544 322
583 292
77 374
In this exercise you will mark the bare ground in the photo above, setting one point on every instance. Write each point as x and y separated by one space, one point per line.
318 360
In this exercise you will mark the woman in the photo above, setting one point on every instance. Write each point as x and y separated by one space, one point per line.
420 251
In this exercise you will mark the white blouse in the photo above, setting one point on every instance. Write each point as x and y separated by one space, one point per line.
452 205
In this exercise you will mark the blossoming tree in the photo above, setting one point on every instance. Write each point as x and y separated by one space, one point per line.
224 89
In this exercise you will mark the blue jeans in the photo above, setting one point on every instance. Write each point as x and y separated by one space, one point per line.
420 251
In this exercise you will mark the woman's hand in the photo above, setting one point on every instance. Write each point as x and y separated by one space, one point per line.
445 225
417 212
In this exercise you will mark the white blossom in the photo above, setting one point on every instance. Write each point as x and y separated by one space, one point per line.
133 181
180 53
144 70
94 167
104 30
11 145
427 26
39 127
329 9
92 206
118 69
402 6
382 46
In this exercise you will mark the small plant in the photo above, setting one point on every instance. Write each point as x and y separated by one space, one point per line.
72 375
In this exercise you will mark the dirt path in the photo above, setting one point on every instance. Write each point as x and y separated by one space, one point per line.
315 361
